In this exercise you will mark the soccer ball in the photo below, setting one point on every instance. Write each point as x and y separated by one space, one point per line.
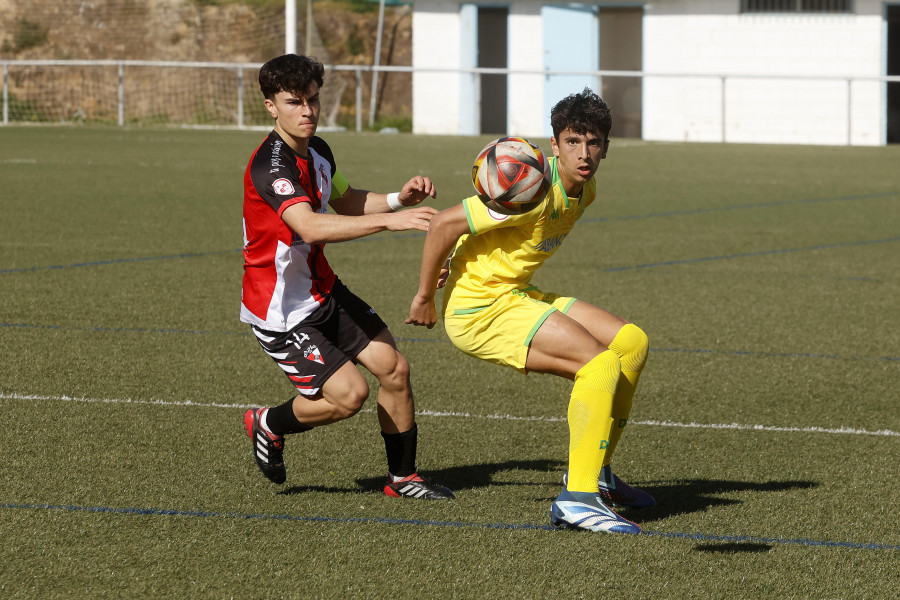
511 175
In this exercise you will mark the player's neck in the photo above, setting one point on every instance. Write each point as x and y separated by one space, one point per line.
573 190
299 145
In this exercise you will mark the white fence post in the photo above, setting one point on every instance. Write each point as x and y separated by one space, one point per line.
358 99
849 112
121 94
240 101
5 94
724 80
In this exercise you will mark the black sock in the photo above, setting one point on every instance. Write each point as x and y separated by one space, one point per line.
281 420
401 451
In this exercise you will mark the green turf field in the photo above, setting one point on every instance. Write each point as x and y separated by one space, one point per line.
766 423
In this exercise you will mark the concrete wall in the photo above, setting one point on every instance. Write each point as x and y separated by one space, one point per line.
705 38
437 44
711 38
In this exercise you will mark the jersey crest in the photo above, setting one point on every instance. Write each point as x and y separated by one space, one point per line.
283 187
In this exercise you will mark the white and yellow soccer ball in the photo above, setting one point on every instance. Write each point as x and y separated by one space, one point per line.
511 175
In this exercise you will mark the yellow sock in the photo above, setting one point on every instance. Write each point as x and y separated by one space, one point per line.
631 346
590 420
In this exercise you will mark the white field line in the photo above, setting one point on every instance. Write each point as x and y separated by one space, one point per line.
466 415
124 401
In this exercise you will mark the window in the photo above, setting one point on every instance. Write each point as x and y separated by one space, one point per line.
797 6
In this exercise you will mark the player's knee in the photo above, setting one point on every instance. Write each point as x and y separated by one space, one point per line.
353 402
347 397
395 376
631 345
641 346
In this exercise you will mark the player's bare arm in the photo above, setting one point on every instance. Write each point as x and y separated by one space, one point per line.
360 202
321 228
446 228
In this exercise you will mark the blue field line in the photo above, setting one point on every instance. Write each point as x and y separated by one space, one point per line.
100 263
121 329
409 234
456 524
775 354
668 263
687 261
712 209
758 353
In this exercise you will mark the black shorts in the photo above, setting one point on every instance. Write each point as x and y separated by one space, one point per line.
333 334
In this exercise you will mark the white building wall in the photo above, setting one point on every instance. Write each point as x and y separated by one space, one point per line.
711 38
525 92
705 38
441 41
436 44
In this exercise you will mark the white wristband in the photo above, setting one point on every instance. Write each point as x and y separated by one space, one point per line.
393 200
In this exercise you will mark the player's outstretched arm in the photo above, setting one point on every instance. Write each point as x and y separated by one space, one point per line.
446 228
356 202
321 228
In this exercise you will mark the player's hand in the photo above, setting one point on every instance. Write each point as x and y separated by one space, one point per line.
414 218
416 190
422 312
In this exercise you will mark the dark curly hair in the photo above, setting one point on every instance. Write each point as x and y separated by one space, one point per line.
290 73
582 113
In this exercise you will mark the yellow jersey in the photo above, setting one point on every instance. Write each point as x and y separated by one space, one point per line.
502 252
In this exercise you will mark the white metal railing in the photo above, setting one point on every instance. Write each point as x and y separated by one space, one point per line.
237 115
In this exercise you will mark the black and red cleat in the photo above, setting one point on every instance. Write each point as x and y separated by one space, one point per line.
267 447
416 486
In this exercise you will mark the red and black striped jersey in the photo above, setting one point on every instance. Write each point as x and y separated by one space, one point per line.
285 279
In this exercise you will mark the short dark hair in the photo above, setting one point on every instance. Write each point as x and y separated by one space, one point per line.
582 113
290 73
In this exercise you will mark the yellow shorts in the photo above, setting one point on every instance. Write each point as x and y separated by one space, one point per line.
501 333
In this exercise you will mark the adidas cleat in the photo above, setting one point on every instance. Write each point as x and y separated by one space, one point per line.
267 447
416 486
585 510
616 492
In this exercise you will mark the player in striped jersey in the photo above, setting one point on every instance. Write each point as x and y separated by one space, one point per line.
314 328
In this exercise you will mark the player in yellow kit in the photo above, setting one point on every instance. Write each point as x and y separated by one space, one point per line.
492 311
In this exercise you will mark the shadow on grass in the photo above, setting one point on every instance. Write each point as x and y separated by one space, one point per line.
734 548
477 476
698 495
305 489
675 498
456 478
